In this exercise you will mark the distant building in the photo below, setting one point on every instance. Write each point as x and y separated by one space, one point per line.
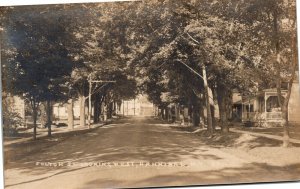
135 107
139 106
60 111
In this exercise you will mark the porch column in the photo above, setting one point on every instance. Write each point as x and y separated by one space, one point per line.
242 111
265 98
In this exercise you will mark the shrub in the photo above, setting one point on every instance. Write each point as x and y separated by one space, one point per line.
11 121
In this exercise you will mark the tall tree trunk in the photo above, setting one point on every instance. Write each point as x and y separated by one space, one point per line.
213 118
70 114
284 108
177 117
160 112
195 110
119 104
286 133
109 110
163 113
34 109
43 114
123 108
101 108
96 113
114 108
82 110
222 99
229 104
97 109
105 111
196 115
201 113
285 103
209 118
224 120
167 114
49 115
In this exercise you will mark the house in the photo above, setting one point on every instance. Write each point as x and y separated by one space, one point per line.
263 107
60 111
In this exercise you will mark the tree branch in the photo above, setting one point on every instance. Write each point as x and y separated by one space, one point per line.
193 39
177 60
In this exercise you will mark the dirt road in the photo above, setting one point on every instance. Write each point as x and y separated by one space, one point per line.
139 152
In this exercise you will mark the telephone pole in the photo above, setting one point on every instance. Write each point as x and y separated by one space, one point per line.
90 96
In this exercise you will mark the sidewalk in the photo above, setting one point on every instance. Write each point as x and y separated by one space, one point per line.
270 136
15 149
56 131
269 133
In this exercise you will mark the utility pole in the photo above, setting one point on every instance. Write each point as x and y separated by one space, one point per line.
134 107
123 104
209 118
206 92
90 102
127 107
90 96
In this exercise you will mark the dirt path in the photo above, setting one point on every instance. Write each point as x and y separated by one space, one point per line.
134 153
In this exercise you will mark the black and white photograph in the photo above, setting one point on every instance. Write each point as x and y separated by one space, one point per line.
151 93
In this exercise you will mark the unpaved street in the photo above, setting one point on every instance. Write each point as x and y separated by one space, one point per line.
139 152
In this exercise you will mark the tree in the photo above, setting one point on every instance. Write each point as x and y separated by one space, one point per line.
276 22
194 37
41 61
102 55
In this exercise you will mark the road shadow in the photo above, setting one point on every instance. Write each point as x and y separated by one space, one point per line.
249 173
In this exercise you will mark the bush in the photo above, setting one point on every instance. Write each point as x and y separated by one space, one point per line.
11 121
